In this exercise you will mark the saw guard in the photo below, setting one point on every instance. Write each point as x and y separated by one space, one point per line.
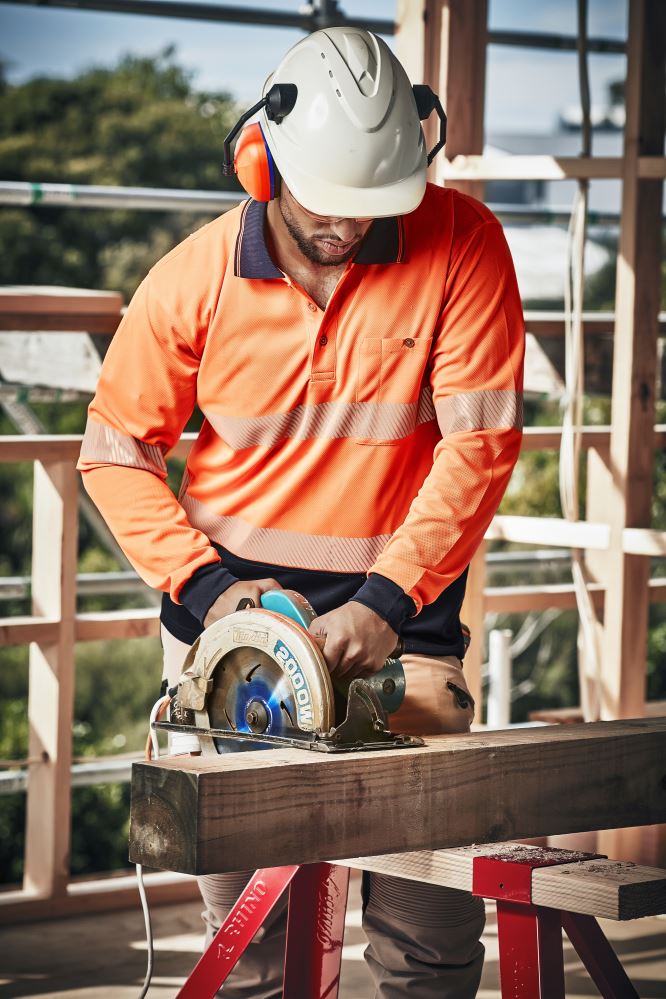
285 642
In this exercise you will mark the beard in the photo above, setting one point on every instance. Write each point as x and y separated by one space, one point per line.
307 245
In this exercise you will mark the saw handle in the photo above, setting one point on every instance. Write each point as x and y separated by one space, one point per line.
297 608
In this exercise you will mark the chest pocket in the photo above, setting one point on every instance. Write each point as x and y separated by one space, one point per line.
391 372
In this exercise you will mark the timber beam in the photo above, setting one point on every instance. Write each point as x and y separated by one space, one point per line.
205 815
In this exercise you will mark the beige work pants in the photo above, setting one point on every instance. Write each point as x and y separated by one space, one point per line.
424 941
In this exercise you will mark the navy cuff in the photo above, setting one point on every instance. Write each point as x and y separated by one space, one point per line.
204 587
387 599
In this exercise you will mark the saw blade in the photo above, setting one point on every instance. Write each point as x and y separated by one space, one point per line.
251 693
262 673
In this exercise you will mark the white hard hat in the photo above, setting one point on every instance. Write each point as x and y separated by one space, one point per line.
352 146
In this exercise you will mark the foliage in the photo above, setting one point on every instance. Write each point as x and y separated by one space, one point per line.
141 123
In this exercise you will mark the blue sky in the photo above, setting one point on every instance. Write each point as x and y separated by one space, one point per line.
524 89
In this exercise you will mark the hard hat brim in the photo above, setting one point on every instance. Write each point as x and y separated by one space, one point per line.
325 198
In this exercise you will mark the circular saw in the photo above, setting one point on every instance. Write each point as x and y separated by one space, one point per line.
257 679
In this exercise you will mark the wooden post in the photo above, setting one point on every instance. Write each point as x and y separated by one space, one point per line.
473 614
599 483
443 43
634 365
51 691
462 82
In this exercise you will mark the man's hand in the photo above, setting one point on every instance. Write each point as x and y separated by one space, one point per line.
357 640
228 601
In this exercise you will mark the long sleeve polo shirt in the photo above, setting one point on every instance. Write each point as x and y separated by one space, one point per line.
357 452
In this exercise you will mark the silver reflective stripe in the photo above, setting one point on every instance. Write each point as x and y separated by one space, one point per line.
489 409
110 447
328 420
265 544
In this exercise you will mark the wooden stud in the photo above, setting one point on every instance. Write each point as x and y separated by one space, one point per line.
141 623
463 35
481 168
202 815
443 43
628 500
51 679
548 531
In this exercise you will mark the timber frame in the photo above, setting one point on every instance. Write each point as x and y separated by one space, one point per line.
443 43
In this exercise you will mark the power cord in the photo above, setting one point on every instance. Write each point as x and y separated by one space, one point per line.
149 930
152 753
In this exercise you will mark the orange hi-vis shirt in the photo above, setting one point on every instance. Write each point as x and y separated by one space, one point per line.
370 442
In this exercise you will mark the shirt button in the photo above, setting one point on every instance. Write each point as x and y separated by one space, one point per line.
408 342
312 307
323 340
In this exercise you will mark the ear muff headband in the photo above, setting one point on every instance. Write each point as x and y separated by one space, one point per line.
254 164
253 160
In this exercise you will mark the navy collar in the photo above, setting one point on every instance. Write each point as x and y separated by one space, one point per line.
384 244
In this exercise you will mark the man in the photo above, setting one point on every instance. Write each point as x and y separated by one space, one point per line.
354 340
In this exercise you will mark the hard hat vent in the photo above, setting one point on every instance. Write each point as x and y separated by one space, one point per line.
362 63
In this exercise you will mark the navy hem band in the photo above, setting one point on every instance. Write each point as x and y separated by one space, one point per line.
386 599
204 587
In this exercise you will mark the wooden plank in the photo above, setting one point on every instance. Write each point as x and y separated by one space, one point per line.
59 309
21 630
63 447
523 599
51 679
569 716
606 889
246 810
547 167
548 531
549 438
44 447
141 623
32 299
59 322
642 541
551 324
99 895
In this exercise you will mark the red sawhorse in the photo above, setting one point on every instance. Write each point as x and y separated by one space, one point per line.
529 936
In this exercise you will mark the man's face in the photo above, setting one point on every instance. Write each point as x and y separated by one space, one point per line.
328 242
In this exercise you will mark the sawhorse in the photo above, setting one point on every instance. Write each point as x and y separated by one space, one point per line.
529 935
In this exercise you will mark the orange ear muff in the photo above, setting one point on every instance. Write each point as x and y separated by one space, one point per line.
254 163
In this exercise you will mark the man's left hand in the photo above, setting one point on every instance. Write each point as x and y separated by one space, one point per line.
357 640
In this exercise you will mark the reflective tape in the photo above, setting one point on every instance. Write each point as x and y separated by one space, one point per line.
266 544
110 447
489 409
327 420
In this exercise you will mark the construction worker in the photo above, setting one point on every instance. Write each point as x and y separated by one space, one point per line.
353 337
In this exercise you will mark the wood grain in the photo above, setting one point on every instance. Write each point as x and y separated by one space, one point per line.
604 888
239 811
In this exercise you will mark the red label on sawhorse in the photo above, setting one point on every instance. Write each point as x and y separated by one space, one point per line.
248 914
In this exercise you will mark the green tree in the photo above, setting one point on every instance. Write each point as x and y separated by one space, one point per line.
141 123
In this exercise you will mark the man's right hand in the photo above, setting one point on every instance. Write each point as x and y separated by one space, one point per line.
228 601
